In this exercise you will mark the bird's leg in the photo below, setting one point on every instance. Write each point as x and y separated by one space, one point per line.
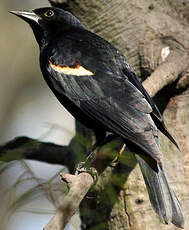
85 166
118 155
92 154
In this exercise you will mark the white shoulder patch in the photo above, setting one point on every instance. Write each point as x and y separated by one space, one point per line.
77 71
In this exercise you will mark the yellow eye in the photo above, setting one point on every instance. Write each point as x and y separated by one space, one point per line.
49 13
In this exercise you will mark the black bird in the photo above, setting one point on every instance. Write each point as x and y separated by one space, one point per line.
95 83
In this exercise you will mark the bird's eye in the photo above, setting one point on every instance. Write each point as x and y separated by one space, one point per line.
49 13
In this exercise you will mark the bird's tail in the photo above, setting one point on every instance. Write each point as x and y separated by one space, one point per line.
162 197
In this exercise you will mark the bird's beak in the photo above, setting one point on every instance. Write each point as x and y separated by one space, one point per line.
27 15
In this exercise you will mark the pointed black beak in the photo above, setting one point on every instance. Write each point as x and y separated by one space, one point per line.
27 15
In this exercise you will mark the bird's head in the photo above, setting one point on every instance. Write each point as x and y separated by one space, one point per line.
47 22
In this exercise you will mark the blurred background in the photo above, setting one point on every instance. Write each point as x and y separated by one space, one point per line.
28 108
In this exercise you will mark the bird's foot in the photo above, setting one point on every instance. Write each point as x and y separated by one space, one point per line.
84 167
118 155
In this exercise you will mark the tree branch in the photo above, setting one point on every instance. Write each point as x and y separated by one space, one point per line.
78 188
79 185
32 149
166 73
28 148
183 82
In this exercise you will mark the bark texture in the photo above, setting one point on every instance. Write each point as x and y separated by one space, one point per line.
154 36
78 187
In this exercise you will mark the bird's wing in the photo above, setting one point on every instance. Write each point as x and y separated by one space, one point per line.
156 115
92 80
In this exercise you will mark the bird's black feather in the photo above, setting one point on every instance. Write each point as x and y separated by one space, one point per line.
95 83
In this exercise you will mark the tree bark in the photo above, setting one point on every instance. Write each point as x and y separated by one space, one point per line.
78 187
154 36
155 39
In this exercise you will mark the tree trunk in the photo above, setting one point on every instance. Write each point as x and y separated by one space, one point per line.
154 36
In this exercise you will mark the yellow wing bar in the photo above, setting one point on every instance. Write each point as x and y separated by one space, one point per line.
76 71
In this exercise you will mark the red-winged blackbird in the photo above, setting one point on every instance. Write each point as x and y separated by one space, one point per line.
95 83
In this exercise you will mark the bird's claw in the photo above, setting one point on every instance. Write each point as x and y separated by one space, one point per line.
118 155
81 167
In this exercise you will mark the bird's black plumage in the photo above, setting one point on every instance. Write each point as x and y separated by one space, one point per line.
95 83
